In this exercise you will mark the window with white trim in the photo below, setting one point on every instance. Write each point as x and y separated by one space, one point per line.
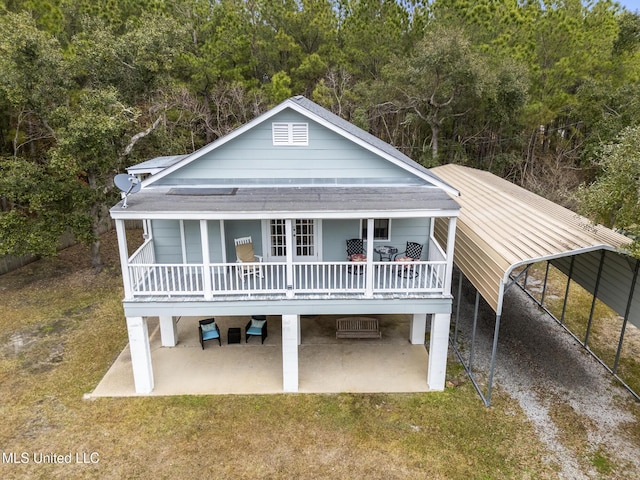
290 134
381 229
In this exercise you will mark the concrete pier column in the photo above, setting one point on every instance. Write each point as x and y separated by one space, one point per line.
290 336
418 326
140 354
168 331
438 346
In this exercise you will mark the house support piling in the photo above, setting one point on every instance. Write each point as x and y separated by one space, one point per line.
418 328
140 354
168 331
438 346
290 341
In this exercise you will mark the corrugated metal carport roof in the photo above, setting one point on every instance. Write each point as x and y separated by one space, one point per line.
503 226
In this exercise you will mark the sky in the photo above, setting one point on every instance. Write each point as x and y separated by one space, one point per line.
631 5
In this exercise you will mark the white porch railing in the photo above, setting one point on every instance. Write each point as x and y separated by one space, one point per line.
145 254
271 278
167 280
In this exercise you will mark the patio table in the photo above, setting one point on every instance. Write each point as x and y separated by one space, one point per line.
385 252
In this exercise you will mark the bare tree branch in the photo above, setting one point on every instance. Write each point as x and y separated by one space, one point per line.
139 136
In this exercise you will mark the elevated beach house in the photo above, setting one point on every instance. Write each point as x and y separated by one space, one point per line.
295 213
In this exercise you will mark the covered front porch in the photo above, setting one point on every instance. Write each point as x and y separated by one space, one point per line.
201 261
326 364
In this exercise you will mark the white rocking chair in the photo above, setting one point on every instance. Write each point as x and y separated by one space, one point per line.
246 255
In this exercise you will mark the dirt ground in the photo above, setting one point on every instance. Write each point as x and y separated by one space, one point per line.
583 415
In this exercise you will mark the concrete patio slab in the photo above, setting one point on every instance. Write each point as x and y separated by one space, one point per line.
326 365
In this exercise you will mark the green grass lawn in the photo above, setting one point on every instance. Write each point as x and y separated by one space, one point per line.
62 327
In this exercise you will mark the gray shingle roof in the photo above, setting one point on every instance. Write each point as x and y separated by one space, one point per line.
269 202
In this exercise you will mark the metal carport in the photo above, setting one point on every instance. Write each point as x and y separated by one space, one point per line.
503 229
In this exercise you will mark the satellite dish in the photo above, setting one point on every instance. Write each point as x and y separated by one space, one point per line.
127 184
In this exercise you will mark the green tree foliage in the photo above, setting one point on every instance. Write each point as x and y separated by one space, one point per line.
528 89
614 198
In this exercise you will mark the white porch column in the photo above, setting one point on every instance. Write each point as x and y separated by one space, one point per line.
168 331
206 260
290 335
140 354
369 272
438 346
418 328
223 242
124 258
288 230
451 240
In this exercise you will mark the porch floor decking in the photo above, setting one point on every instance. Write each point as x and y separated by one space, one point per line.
326 364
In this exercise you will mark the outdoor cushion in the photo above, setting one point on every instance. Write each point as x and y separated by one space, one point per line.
257 324
254 331
245 253
210 335
207 327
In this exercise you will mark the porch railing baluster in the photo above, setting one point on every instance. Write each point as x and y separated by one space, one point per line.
309 278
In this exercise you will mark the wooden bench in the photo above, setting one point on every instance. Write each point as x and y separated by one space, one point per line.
357 327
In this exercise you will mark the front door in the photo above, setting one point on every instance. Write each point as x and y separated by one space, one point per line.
305 240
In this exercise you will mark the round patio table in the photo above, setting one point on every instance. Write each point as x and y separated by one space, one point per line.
386 252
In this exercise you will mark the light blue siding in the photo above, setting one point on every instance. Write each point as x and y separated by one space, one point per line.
193 241
243 228
337 232
405 230
215 242
252 157
166 240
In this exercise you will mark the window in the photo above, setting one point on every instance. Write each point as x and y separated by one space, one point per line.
278 238
381 229
290 134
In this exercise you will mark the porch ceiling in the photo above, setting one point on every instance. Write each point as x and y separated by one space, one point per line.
283 202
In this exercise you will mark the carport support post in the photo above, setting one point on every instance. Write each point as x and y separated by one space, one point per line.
473 330
168 331
290 336
438 345
455 330
140 354
626 316
595 298
566 292
494 351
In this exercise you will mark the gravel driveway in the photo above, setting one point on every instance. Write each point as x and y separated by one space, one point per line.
547 371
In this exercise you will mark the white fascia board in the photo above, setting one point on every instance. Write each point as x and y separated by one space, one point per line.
128 215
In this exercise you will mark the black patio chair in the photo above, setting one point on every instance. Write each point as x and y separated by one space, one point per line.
412 253
355 246
257 327
208 330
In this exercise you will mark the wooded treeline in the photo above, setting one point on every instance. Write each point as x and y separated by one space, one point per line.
533 90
